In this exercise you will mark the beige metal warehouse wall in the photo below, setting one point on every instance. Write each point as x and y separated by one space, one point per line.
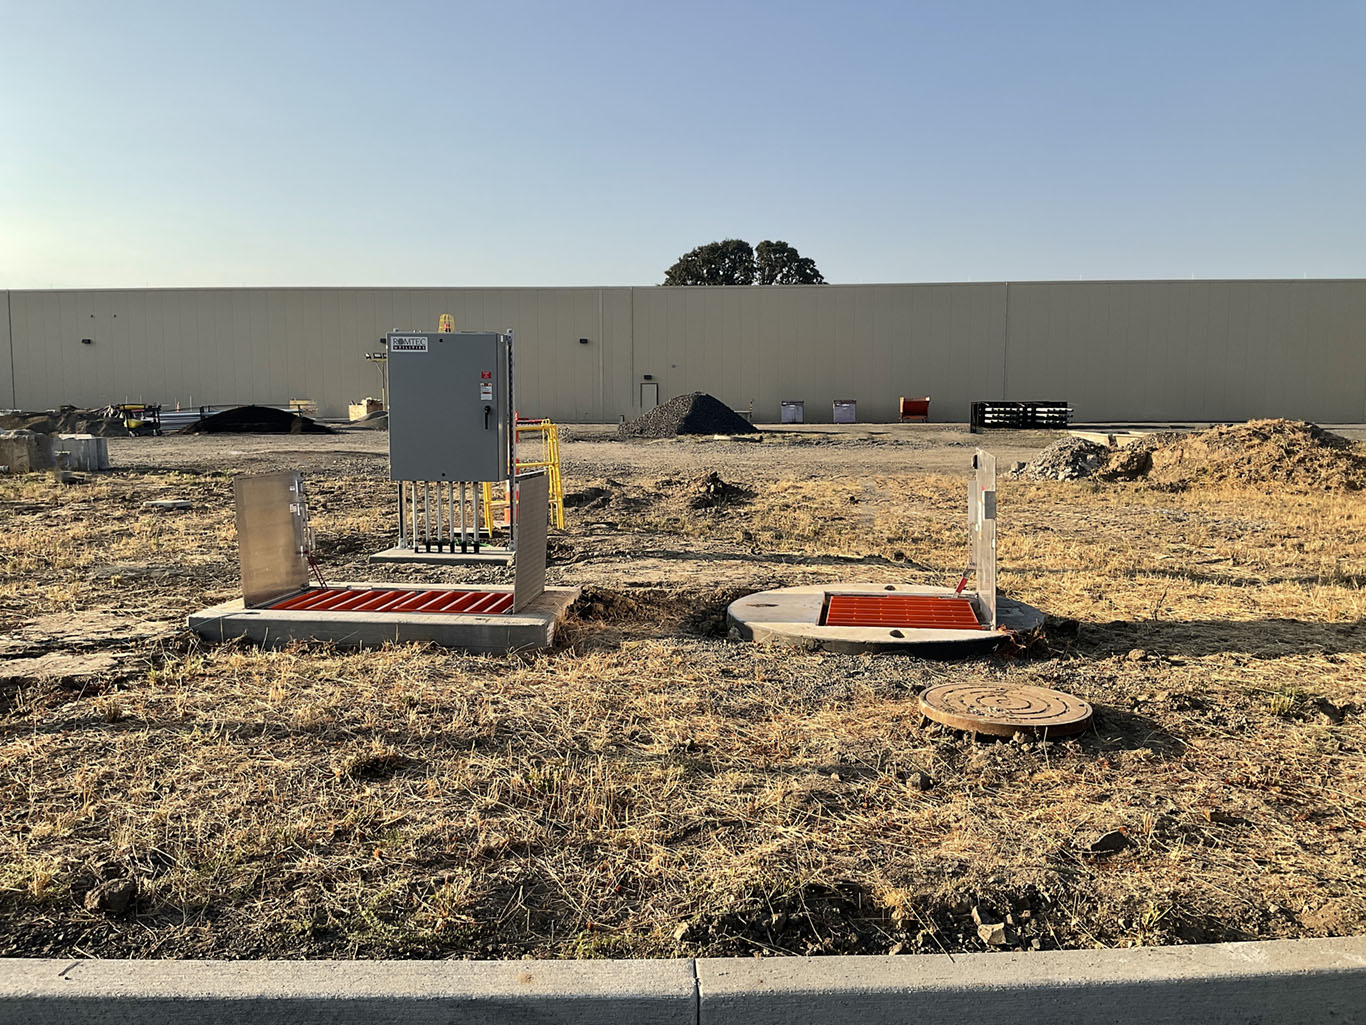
870 343
1197 350
6 355
1115 350
216 346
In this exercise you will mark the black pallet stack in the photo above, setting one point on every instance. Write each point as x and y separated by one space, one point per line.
1019 416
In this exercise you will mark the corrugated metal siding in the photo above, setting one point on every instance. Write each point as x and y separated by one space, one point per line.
871 343
6 355
1217 350
1127 350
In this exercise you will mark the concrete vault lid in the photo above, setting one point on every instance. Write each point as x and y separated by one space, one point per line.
793 616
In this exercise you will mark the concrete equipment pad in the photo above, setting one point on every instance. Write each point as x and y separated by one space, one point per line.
792 616
530 628
486 556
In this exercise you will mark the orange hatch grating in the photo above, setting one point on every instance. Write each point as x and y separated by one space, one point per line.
380 599
916 611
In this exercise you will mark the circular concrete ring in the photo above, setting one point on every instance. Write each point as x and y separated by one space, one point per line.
792 616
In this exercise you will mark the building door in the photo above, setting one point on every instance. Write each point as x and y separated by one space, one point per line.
649 394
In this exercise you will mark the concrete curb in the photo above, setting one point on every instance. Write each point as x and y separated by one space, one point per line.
50 992
1295 982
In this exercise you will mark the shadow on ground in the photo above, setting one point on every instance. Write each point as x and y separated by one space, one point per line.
1260 638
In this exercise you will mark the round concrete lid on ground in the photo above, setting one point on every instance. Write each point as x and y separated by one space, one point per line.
1002 710
796 616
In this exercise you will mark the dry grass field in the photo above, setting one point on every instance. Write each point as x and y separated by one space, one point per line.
651 787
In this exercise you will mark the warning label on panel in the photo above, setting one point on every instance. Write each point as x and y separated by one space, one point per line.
486 392
408 343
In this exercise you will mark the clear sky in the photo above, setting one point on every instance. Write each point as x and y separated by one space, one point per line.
584 143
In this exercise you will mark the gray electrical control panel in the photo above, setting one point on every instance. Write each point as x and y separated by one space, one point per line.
450 406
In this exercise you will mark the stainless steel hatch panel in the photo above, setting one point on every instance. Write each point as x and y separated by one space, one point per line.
272 535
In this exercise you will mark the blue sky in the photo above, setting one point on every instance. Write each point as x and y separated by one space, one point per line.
538 143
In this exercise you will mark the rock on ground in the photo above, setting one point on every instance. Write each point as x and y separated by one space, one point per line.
113 896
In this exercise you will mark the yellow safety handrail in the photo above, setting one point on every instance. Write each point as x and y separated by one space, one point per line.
548 435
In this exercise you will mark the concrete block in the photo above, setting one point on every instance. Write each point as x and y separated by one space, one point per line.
525 630
25 451
1280 982
67 992
82 452
792 616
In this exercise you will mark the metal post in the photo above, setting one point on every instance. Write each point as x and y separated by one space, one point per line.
427 514
474 496
401 530
463 549
414 533
512 446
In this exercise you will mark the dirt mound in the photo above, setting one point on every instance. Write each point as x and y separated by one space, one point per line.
376 421
1286 452
1067 459
256 420
605 603
711 492
697 413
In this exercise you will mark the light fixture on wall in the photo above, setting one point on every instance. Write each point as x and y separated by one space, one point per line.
87 341
583 341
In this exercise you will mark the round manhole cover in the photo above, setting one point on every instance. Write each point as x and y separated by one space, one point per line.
1003 710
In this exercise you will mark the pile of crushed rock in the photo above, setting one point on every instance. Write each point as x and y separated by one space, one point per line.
697 413
1068 459
1288 453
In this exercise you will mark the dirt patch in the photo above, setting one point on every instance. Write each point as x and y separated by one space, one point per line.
605 616
58 666
696 413
609 494
603 604
70 631
256 420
